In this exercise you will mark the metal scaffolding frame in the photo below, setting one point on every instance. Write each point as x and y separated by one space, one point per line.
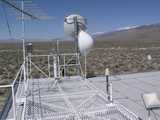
64 98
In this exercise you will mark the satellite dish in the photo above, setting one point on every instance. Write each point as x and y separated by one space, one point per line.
75 26
85 42
69 24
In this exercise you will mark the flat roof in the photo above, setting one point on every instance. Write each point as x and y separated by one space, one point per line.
127 90
68 98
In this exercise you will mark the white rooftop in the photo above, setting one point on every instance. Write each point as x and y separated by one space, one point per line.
127 90
75 98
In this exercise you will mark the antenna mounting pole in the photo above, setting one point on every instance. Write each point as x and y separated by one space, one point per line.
23 40
76 30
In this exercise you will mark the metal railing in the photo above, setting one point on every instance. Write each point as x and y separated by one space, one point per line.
63 62
25 73
11 99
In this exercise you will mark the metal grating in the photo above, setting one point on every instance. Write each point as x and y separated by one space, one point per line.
70 99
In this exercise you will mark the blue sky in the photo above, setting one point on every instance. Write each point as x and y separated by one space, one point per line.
102 16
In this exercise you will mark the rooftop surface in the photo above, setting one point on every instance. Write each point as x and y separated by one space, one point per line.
74 98
127 90
70 98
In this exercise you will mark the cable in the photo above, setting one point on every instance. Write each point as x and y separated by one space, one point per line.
18 9
7 21
9 29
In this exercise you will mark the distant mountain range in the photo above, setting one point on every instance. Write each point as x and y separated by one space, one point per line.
150 32
26 40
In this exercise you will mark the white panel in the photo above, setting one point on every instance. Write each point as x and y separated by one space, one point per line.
69 24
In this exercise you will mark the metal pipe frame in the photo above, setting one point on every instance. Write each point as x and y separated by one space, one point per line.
39 69
60 65
49 67
13 103
18 75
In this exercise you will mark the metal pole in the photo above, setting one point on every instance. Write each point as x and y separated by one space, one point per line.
64 66
76 31
110 93
57 44
23 30
149 115
85 66
108 87
78 63
107 84
58 58
30 66
55 66
13 103
27 70
49 74
58 65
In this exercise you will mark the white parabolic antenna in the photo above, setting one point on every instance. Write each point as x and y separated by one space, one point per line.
85 42
69 24
75 26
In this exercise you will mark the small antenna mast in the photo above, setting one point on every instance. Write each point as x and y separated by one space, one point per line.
23 40
23 29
